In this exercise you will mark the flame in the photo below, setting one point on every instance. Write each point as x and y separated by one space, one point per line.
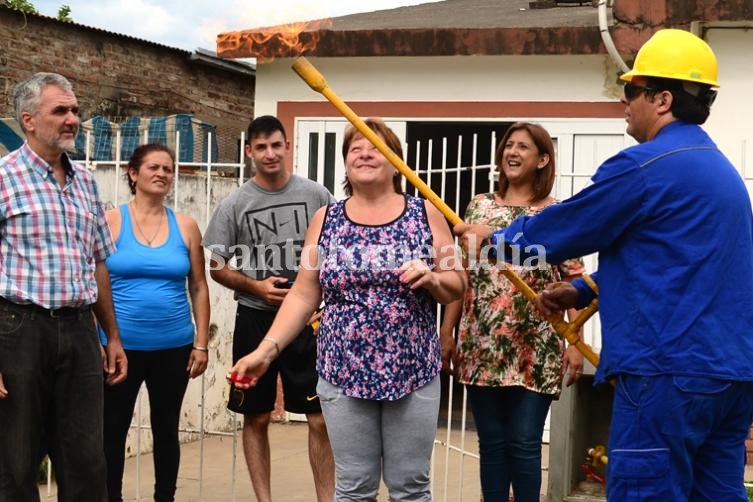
266 44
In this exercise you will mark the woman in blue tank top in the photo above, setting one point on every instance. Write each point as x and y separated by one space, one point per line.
381 260
157 252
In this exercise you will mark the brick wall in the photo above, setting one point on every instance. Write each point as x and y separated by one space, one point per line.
749 448
119 76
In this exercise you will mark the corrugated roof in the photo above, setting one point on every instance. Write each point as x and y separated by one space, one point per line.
100 30
208 57
204 56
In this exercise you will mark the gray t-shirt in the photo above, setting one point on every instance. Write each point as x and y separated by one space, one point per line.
264 230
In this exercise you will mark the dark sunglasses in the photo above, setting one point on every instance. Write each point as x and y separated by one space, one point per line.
632 91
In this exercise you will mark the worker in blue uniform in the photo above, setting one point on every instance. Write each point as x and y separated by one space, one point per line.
671 220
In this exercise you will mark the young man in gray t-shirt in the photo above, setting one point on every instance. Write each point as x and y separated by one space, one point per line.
261 227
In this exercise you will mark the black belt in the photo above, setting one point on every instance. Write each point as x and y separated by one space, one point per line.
54 313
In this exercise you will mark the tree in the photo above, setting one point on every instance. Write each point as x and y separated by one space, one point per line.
64 13
22 5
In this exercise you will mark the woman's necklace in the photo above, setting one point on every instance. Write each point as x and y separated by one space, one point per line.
138 227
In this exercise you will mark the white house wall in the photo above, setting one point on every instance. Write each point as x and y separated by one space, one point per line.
460 78
731 120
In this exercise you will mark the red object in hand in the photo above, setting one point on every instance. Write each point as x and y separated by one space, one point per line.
236 379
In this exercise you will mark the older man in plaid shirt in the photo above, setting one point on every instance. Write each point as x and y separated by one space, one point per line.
53 243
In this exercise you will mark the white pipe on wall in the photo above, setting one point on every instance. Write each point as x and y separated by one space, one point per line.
607 38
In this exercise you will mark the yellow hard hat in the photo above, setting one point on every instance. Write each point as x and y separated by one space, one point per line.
676 54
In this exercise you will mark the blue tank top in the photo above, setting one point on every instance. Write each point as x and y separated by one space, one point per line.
149 289
378 338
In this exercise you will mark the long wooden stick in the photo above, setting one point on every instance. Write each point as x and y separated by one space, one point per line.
316 81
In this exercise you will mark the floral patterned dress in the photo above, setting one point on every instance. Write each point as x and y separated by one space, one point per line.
378 338
502 340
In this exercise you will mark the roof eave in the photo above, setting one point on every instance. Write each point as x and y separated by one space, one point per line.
417 42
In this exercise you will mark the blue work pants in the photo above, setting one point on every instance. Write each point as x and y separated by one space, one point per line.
678 438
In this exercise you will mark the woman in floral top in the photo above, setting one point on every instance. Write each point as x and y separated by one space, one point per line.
381 260
510 359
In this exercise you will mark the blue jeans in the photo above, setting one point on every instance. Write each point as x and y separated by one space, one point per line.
678 438
370 437
52 368
510 423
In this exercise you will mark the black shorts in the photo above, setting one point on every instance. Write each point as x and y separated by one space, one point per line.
296 367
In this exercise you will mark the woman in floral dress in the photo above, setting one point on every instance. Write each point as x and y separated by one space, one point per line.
381 260
511 360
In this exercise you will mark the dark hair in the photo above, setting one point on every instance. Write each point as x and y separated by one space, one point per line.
390 139
266 125
138 156
693 108
544 180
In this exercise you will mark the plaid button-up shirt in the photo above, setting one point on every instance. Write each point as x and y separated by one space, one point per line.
50 237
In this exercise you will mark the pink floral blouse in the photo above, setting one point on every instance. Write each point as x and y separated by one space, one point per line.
503 341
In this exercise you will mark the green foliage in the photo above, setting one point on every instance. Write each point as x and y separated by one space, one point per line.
64 13
22 5
750 493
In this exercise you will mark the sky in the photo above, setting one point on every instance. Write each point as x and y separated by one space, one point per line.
192 24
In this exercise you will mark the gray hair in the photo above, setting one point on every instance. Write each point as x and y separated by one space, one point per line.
27 93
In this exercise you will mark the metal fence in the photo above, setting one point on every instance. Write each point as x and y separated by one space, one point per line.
208 173
455 184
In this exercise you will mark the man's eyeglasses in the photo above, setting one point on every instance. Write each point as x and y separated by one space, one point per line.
632 91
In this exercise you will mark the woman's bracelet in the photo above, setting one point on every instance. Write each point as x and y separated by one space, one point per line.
200 349
272 340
